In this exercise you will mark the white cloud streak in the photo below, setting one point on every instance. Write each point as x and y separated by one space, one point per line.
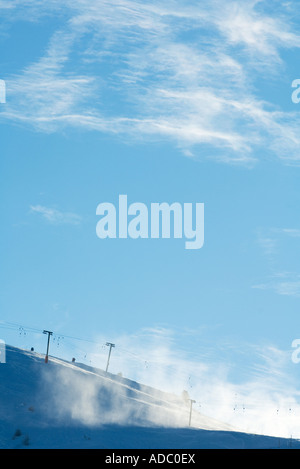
285 283
279 253
55 216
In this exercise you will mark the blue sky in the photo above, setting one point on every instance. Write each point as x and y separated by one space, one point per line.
165 102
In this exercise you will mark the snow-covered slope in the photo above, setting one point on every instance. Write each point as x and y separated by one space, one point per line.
66 405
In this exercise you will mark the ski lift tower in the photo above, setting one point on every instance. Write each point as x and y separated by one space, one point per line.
110 345
48 342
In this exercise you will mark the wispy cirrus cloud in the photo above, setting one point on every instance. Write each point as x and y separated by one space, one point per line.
279 246
293 232
185 73
282 283
55 216
258 31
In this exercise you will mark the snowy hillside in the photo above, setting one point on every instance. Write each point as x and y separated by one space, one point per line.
61 404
